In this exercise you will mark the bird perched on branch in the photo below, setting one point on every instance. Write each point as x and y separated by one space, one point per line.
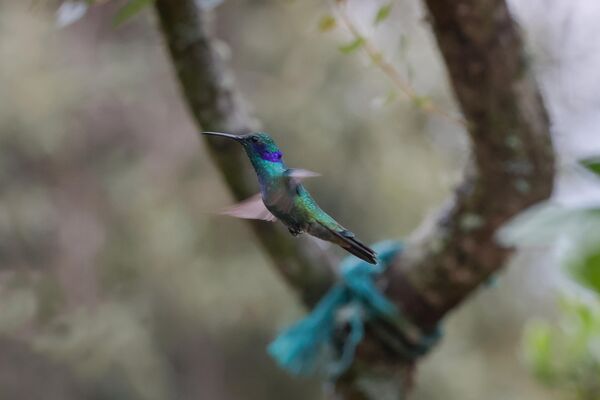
283 197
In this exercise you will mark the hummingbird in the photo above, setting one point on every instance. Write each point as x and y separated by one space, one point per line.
283 197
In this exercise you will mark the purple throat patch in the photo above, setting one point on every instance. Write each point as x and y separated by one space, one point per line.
274 156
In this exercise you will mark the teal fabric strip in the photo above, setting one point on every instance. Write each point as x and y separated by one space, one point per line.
306 347
299 348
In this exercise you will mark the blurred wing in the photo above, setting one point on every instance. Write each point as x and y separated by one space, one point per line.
297 175
251 208
283 198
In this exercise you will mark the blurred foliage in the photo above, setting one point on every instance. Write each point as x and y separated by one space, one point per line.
130 9
383 13
566 356
327 23
352 46
592 164
578 229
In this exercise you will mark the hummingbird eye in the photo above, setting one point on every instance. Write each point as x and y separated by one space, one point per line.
254 139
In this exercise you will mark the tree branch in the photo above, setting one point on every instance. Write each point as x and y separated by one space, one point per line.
512 168
208 89
513 159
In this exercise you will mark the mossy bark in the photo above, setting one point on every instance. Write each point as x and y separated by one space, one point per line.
512 159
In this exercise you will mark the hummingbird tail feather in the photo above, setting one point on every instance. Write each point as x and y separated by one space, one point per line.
354 246
361 251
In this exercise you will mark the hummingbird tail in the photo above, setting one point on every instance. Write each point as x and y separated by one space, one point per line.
361 251
354 246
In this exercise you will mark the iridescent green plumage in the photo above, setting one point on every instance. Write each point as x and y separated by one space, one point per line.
283 197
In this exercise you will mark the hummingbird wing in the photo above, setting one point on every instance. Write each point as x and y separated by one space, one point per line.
299 174
282 196
251 208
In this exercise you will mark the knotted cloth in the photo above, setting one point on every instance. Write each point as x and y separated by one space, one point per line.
308 348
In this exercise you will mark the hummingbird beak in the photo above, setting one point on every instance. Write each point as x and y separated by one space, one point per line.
227 135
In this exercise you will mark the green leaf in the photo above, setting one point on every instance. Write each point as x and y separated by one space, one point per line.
352 46
421 101
547 222
585 268
327 23
129 10
592 164
563 355
382 13
538 350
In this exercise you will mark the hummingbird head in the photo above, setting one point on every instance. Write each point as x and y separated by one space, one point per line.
258 144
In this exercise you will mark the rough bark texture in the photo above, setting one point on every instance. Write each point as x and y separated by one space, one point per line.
209 91
513 162
512 168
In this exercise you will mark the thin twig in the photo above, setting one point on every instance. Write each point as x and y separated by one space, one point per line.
378 58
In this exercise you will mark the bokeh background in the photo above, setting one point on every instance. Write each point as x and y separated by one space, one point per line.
117 281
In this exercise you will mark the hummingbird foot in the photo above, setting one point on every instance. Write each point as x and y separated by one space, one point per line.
294 231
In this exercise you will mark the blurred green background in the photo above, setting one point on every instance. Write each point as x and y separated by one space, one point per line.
117 281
